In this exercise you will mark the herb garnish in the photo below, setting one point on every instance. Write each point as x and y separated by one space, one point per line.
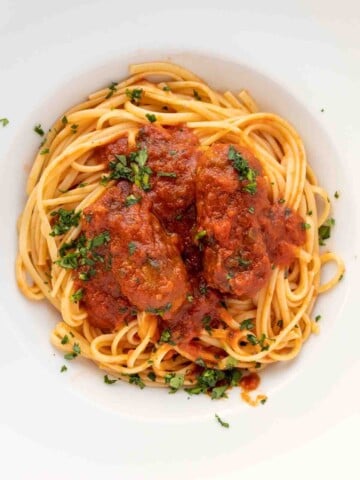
159 311
4 121
64 340
317 318
64 120
151 117
63 368
81 252
201 234
151 376
75 352
336 194
132 168
131 248
136 380
305 226
65 220
325 230
108 380
134 95
222 423
166 337
45 151
196 95
38 129
166 174
212 378
132 200
247 324
112 89
206 321
166 88
175 381
241 165
77 296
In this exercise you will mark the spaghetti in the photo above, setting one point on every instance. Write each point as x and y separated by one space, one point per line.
254 329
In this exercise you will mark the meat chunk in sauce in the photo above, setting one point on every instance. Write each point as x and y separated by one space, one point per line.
235 255
245 234
144 261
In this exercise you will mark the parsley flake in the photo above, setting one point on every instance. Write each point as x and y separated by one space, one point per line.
151 117
4 121
109 381
136 380
38 129
222 423
112 89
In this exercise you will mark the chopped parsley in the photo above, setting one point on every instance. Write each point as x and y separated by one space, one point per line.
77 296
136 380
310 212
305 226
45 151
175 381
151 117
201 234
336 194
219 392
325 231
38 129
161 310
206 321
199 361
64 340
282 200
132 200
213 378
258 341
135 95
131 248
63 368
231 362
222 423
64 120
4 121
166 88
75 352
247 324
280 323
112 89
151 376
196 95
317 318
251 210
81 252
241 165
243 262
109 381
263 400
65 219
132 168
166 337
166 174
74 128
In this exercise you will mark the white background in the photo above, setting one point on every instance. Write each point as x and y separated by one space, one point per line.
314 49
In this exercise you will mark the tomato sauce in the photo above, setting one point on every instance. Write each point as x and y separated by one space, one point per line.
177 245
